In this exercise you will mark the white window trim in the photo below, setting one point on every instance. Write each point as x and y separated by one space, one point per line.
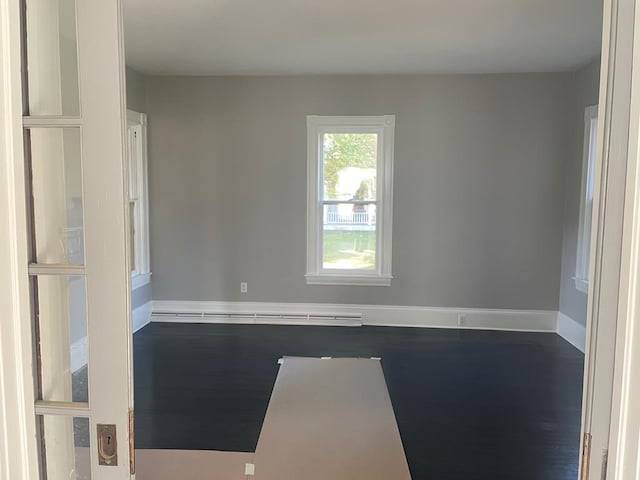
140 280
142 275
384 126
582 255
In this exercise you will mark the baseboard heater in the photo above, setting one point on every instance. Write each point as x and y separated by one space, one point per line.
348 320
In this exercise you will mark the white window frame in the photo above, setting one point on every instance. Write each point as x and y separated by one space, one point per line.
586 198
138 191
317 126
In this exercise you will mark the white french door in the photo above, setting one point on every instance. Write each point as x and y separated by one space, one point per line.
606 313
73 125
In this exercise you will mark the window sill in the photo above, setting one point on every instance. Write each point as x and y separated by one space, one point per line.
351 280
140 280
581 285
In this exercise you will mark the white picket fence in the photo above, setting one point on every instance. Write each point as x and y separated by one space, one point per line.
353 218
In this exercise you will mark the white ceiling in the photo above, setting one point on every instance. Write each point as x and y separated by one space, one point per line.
271 37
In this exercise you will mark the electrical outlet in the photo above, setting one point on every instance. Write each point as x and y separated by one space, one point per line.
461 319
243 287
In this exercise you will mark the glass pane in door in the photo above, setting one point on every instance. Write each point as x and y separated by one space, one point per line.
65 447
52 57
57 194
62 338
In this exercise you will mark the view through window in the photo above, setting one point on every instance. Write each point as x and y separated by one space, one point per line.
349 207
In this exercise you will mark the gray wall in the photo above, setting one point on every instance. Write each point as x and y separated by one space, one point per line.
573 302
136 100
136 90
480 173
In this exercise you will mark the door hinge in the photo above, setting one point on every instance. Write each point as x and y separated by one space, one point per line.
132 444
586 456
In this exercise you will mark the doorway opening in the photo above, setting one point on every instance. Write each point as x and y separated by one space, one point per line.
479 202
419 221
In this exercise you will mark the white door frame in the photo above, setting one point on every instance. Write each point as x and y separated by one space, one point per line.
110 379
609 322
18 449
607 231
624 445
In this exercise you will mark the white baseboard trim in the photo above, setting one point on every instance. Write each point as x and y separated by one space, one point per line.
572 331
141 316
347 315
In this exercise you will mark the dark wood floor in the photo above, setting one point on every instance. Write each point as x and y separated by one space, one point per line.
469 404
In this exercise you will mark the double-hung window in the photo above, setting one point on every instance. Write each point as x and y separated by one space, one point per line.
349 206
586 197
138 198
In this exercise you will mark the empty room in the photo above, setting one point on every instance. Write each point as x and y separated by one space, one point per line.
407 184
357 239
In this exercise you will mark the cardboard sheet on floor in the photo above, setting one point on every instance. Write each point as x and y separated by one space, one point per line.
327 419
191 465
330 419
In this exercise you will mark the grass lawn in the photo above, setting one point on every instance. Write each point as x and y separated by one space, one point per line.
349 250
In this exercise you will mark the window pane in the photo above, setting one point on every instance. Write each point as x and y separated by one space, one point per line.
133 157
52 58
62 338
57 194
349 237
590 186
349 166
65 441
132 235
591 172
587 246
